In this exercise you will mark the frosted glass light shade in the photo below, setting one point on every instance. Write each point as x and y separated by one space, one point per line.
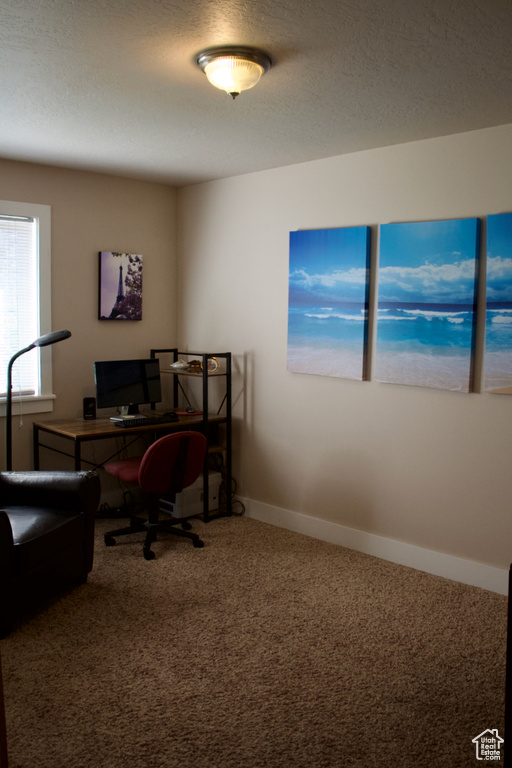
233 75
233 69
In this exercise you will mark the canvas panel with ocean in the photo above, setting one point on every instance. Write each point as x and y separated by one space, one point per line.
328 302
426 307
498 326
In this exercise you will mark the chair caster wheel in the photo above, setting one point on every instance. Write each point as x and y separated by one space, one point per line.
186 526
109 541
198 544
149 555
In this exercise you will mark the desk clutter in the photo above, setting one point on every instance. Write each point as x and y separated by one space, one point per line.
196 366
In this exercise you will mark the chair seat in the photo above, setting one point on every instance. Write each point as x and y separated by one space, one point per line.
125 469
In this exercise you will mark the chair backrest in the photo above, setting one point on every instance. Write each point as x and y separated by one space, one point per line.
172 463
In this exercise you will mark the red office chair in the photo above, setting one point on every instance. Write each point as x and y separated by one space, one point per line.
169 465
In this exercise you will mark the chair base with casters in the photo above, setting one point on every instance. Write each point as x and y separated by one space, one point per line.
151 529
169 465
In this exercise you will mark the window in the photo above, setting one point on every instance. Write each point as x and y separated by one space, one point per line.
25 304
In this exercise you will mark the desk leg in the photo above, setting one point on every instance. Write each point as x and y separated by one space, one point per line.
78 457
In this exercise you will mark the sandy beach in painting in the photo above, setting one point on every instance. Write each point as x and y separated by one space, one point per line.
411 368
325 361
416 369
498 372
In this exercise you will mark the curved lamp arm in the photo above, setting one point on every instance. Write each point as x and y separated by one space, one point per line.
42 341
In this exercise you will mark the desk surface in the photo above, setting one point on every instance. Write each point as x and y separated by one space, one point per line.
92 429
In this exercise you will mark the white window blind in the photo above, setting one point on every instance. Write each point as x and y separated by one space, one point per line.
19 301
25 304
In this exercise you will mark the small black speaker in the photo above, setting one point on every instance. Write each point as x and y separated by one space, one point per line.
89 407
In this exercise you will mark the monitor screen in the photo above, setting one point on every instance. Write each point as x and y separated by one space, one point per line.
127 383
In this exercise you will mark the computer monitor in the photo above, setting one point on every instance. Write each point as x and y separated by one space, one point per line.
126 384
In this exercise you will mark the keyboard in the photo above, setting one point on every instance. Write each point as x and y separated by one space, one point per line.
146 421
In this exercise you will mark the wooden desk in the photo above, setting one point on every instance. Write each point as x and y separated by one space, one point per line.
80 431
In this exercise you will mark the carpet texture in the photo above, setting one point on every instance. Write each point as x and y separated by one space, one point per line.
265 649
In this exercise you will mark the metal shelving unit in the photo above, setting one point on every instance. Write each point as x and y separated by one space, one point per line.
216 425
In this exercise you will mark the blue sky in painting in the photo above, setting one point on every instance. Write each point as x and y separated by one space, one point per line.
428 262
328 264
499 257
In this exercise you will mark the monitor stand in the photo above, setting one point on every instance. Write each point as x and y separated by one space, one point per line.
129 411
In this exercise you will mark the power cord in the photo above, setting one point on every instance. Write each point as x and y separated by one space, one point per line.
216 464
224 498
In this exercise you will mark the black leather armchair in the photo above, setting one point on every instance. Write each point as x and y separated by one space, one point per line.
46 536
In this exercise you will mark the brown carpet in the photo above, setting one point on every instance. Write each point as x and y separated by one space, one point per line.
264 649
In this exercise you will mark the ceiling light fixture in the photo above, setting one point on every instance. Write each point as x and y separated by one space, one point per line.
234 68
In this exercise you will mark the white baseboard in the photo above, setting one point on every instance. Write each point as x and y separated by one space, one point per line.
436 563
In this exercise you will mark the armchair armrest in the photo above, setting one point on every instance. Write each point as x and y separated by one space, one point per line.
76 491
6 548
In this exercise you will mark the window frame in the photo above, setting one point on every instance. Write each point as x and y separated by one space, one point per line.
43 401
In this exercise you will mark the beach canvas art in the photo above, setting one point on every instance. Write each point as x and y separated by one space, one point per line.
498 327
328 302
426 306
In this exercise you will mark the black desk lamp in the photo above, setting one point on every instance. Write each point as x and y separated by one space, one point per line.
42 341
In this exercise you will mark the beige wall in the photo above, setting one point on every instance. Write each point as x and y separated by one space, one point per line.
422 466
428 467
90 213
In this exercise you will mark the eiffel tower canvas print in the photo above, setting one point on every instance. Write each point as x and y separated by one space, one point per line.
120 286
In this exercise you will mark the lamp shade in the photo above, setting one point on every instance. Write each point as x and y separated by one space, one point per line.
233 69
51 338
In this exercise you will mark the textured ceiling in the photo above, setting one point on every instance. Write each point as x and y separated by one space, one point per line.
111 85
